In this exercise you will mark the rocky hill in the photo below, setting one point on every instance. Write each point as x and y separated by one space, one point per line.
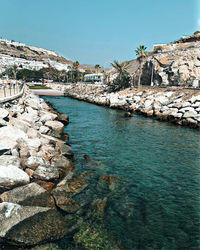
175 64
29 57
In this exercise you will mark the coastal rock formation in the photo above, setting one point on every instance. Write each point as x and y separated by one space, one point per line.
11 176
179 106
29 195
174 64
29 225
41 198
29 171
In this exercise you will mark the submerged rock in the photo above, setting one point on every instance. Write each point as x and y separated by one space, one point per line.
93 236
25 225
127 114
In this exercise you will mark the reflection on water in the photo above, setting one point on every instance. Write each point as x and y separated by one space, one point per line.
159 203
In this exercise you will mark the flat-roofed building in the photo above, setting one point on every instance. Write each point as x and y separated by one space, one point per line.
94 78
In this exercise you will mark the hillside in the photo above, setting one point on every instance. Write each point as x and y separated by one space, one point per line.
177 63
29 57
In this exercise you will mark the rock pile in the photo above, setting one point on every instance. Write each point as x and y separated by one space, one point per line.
174 105
41 198
33 160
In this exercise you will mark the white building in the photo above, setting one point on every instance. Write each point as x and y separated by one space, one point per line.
96 78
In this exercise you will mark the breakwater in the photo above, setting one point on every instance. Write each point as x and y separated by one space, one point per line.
42 199
178 106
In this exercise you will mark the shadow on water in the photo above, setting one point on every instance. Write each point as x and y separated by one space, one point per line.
155 204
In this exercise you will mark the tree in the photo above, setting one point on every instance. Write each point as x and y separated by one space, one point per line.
14 69
11 72
122 81
29 75
141 53
75 70
97 67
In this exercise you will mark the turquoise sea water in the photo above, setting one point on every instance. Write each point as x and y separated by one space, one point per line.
160 164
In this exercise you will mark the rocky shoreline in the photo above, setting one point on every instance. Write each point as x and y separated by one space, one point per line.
42 199
175 105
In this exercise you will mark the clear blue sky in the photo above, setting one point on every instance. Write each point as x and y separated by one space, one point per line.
93 31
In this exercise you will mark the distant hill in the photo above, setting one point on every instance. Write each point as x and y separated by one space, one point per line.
30 57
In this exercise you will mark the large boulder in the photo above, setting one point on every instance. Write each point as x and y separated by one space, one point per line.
7 145
46 173
63 194
33 162
10 160
64 118
12 132
44 130
47 116
25 225
55 125
4 114
62 164
66 150
2 122
31 194
31 116
12 176
20 124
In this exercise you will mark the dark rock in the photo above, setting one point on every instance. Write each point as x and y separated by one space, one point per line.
66 150
91 236
128 114
45 184
65 203
62 164
64 118
5 150
28 195
87 158
63 194
25 225
2 122
65 137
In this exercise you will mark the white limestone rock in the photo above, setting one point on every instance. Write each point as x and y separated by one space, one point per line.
4 113
11 176
33 162
10 160
55 125
44 130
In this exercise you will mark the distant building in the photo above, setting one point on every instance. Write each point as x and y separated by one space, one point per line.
94 78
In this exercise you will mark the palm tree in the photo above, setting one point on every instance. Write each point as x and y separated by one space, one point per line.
122 81
141 53
75 68
120 67
97 67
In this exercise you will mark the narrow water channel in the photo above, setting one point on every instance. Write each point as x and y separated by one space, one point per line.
160 164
